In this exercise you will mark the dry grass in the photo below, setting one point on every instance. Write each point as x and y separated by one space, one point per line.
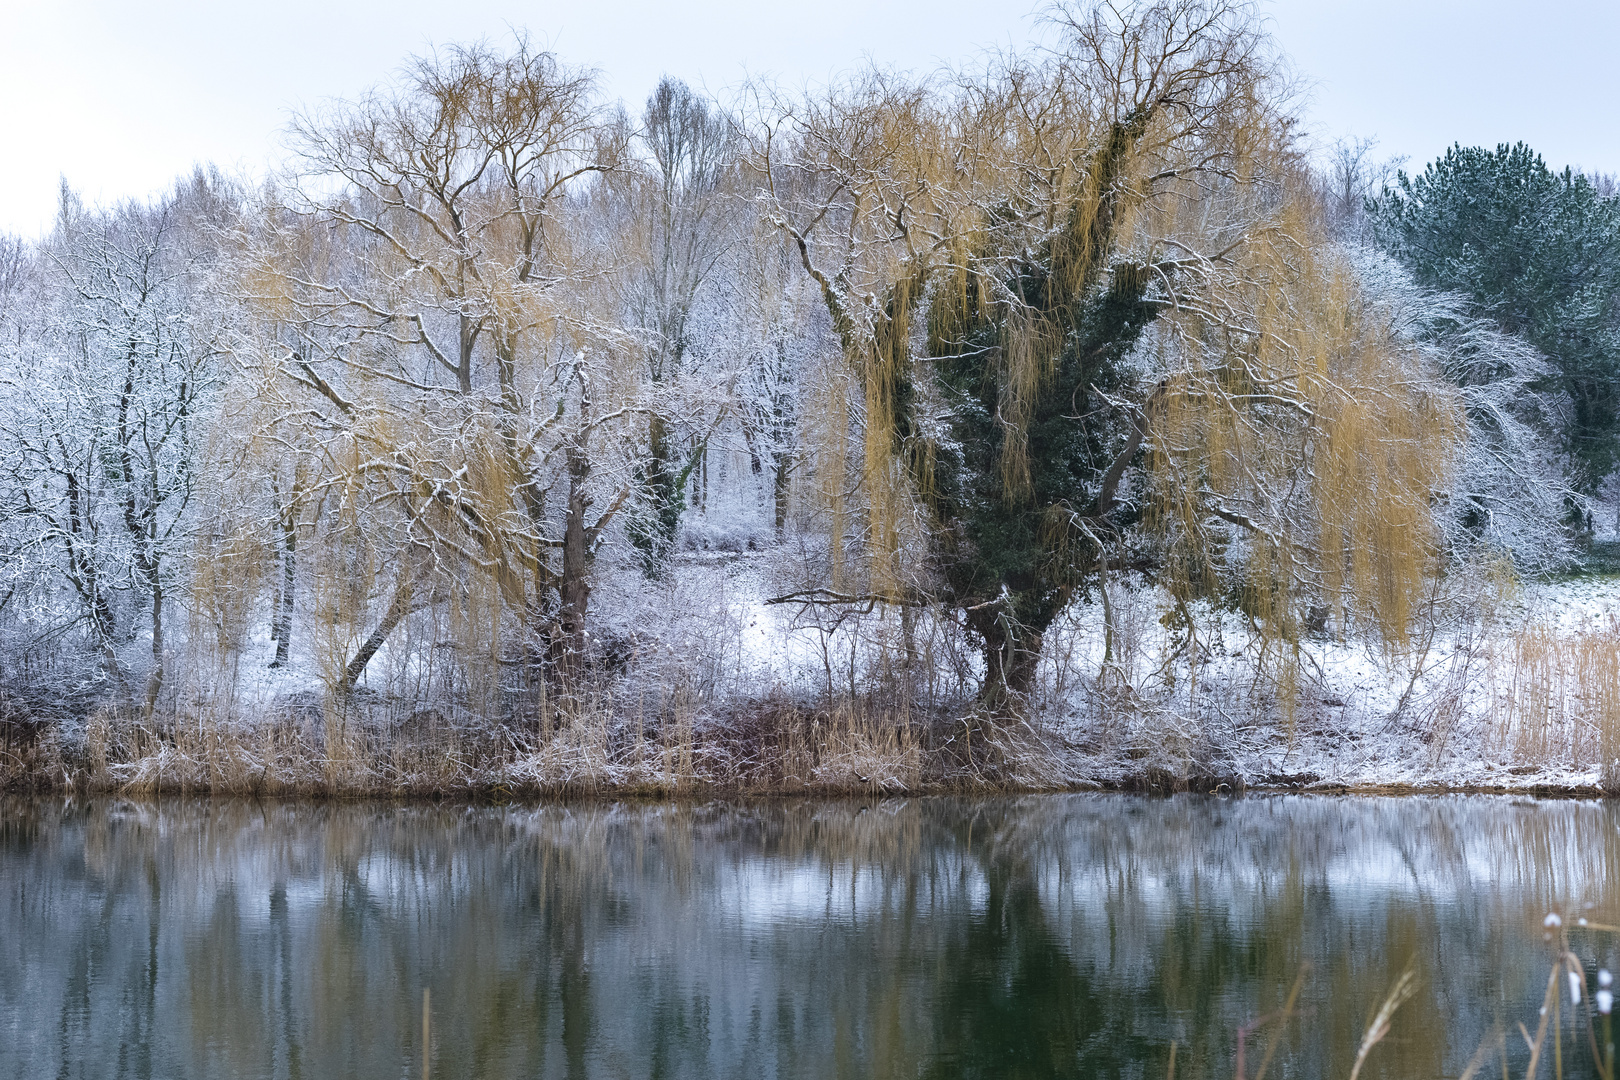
1554 697
30 753
1135 708
779 745
1586 1022
764 746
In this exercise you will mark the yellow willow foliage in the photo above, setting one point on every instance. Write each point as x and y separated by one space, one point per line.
871 181
1299 443
892 515
1050 162
827 426
229 571
1031 353
867 491
425 517
396 504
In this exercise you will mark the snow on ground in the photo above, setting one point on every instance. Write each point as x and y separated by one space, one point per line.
1524 693
1518 700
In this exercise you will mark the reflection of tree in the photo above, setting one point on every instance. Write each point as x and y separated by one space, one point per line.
1014 1004
282 933
1024 938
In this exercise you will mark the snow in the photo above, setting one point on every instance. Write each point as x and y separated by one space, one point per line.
1500 699
1360 717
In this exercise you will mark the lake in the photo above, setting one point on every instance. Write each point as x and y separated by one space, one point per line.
1035 936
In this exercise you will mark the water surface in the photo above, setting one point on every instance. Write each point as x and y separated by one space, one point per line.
1022 937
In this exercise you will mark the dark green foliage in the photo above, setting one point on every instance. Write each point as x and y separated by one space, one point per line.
1537 250
1073 435
1015 557
1021 491
662 482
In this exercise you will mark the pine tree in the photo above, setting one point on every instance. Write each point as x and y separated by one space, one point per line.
1540 253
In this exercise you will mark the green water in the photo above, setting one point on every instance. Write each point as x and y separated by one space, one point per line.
1023 937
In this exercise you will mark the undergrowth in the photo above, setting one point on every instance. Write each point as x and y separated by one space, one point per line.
1499 698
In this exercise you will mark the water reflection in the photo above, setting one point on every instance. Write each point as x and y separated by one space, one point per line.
1031 937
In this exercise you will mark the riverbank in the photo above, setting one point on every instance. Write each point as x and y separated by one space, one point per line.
1517 696
819 756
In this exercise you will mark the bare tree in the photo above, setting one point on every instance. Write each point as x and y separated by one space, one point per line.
439 322
679 205
1350 178
1508 494
106 415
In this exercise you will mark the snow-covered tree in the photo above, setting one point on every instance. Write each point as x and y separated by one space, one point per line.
1508 491
107 391
681 205
431 327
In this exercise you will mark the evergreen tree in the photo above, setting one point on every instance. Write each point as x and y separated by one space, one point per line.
1540 253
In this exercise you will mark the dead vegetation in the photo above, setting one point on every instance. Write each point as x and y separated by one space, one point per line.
1554 695
1514 700
772 745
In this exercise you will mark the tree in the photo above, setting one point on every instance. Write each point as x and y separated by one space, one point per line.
778 315
1539 252
1350 178
860 184
678 202
107 405
1508 494
1035 227
431 316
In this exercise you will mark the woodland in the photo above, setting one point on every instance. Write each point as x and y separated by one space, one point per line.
1068 420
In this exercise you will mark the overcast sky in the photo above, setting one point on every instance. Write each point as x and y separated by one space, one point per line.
121 96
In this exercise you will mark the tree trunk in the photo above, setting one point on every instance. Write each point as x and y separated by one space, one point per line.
781 486
85 577
398 608
281 626
1011 656
146 564
140 521
702 486
574 585
154 680
908 634
655 533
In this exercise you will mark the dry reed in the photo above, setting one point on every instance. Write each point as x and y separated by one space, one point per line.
1554 697
358 749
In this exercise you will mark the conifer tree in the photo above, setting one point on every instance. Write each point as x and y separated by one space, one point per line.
1539 251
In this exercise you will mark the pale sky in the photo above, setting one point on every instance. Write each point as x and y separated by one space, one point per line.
121 97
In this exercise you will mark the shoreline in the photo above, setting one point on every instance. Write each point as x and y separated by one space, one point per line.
1140 784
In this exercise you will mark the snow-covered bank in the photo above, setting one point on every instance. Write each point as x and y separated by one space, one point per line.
704 685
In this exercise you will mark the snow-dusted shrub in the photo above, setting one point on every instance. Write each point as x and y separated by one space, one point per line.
1509 492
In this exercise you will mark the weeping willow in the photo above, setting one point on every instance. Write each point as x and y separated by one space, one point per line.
1130 324
1295 458
1029 355
394 518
